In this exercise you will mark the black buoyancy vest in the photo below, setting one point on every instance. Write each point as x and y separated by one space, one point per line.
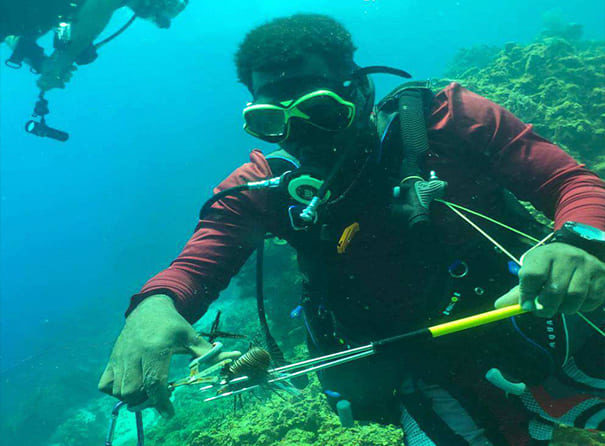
386 283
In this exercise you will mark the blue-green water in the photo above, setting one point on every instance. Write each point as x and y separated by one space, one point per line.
155 122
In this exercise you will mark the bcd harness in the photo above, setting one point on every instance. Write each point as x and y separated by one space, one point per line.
543 346
412 195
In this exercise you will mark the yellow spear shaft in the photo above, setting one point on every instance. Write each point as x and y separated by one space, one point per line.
475 320
446 328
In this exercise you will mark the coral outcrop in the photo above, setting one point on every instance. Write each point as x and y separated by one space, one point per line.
272 420
555 84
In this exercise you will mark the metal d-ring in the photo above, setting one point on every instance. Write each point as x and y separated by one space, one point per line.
112 425
458 269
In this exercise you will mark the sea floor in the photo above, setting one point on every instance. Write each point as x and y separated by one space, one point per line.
569 436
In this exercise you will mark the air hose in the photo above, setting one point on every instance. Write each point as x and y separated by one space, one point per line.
224 193
309 214
413 131
89 55
276 353
414 194
117 33
253 185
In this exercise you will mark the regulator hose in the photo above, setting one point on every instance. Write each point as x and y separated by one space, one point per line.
216 197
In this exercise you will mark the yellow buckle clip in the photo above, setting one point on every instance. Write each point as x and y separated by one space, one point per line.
346 237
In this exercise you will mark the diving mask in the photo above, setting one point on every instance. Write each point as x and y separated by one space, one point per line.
323 109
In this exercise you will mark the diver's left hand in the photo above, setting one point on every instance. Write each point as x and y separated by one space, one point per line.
558 278
56 72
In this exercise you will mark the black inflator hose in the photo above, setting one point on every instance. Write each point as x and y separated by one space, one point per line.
216 197
276 353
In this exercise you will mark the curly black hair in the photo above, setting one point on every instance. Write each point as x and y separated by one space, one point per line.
285 40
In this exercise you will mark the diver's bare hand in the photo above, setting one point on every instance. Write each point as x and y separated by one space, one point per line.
558 278
137 370
56 71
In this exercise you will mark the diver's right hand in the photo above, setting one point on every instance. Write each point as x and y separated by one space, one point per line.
137 370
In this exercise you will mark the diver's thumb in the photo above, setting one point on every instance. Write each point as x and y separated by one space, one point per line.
512 297
199 347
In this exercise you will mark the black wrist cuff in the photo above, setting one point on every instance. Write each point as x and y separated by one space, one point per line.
568 234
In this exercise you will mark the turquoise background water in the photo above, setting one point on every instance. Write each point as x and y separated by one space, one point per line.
155 123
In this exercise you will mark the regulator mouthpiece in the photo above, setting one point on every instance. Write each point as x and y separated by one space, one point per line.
309 214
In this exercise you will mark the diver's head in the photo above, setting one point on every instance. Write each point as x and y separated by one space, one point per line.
161 12
299 70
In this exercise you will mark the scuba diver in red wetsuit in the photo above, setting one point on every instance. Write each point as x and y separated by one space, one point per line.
360 191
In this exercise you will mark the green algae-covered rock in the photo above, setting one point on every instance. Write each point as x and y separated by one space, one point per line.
554 84
271 419
570 436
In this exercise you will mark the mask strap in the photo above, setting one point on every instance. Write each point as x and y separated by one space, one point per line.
380 69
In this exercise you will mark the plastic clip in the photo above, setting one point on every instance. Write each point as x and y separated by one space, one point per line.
347 237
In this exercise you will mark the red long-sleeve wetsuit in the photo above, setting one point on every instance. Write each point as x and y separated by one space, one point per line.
462 125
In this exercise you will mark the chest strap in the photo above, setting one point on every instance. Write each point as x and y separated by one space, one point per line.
281 161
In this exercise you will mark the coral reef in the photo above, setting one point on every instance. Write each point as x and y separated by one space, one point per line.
555 24
83 427
473 58
272 420
569 436
555 84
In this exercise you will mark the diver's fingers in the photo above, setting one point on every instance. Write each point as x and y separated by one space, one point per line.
117 380
532 276
591 305
160 398
512 297
592 301
197 345
577 291
155 382
596 292
132 383
106 381
554 291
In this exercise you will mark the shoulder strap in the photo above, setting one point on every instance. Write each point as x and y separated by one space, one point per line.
281 161
388 104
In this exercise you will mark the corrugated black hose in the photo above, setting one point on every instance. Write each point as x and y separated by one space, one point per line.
276 353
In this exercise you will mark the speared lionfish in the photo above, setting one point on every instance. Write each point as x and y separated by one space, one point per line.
253 366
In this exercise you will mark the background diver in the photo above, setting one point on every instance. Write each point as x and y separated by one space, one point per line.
407 265
76 25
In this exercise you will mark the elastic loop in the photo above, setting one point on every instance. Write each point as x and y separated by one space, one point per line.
12 64
411 177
